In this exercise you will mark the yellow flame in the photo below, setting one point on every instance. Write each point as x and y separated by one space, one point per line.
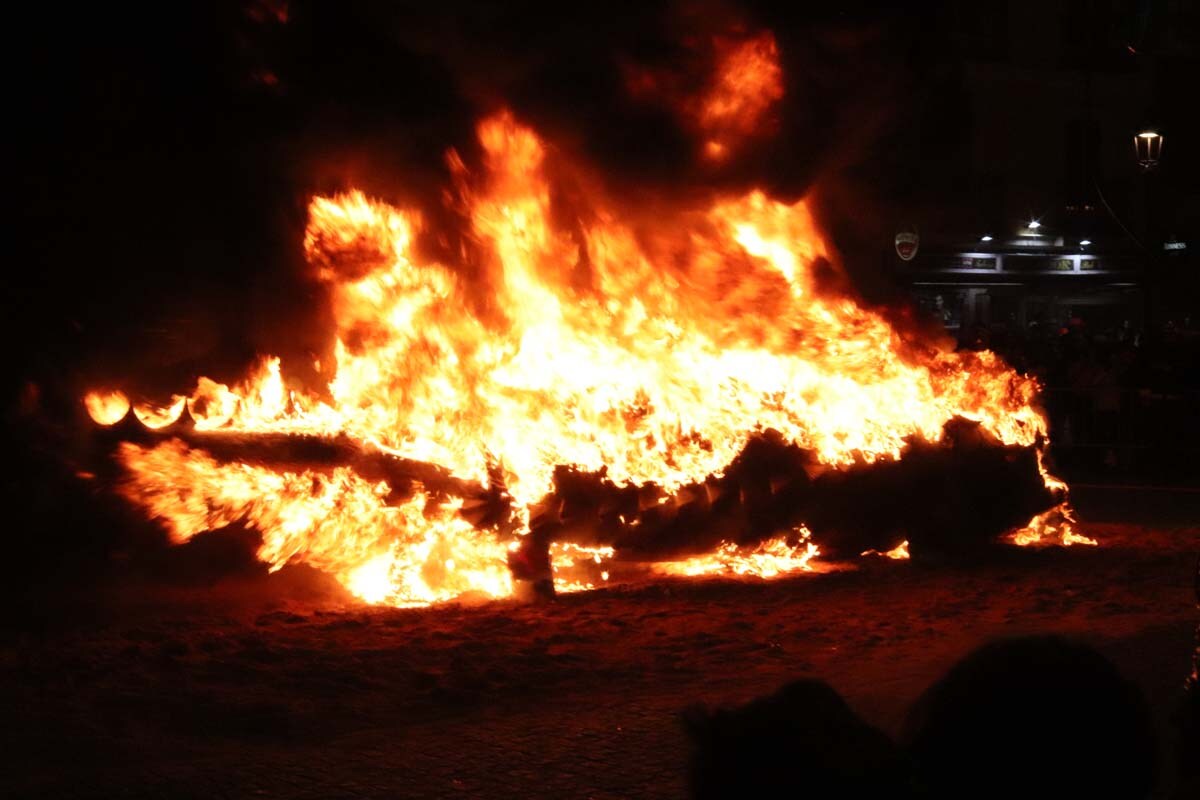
372 581
414 553
769 559
106 407
897 553
650 348
1055 526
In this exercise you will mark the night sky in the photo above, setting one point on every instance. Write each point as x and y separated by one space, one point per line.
165 156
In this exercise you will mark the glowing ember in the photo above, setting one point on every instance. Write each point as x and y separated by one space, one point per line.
768 559
106 407
577 567
650 349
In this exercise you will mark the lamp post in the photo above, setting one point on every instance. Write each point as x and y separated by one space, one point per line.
1148 147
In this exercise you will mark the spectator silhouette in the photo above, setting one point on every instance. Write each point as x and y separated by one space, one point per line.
1187 755
801 742
1032 717
1187 721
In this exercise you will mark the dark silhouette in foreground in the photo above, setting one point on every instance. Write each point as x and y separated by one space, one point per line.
802 741
1032 717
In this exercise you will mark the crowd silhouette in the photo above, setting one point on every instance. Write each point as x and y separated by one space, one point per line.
1118 400
1032 717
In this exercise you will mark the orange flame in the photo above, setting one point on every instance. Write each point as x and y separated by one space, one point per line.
414 553
1054 526
897 553
727 105
748 82
160 416
769 559
106 407
653 353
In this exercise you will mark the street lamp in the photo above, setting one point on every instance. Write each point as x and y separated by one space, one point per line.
1148 145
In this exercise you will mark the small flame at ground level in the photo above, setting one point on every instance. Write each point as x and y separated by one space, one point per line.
1055 526
650 349
897 553
769 559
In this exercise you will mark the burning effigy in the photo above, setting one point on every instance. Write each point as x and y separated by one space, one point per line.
584 387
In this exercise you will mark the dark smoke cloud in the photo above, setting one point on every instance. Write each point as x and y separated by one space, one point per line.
169 152
854 76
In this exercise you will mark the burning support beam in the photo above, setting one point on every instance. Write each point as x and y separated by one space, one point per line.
951 498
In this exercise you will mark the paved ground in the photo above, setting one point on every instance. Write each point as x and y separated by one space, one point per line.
243 694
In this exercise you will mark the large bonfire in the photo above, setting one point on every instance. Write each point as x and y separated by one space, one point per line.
565 335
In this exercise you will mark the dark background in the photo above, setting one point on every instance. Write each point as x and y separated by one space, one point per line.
164 155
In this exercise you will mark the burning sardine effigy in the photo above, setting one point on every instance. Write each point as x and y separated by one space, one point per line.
581 386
